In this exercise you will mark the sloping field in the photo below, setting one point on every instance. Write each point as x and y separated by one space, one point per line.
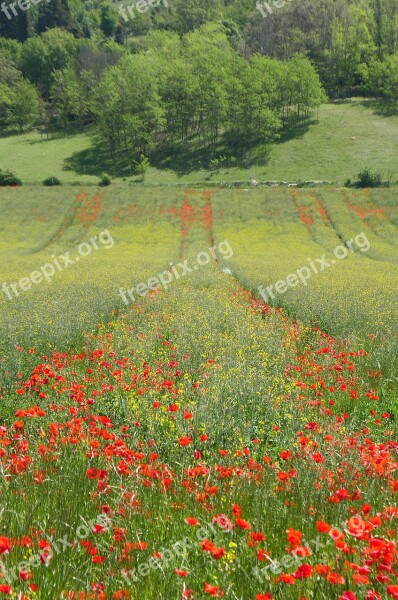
169 428
341 140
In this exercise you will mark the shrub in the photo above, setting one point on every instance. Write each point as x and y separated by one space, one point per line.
141 166
105 180
52 181
368 179
9 178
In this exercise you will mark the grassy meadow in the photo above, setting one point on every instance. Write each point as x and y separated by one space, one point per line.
197 440
334 146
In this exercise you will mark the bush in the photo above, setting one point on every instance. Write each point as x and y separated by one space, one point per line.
9 178
141 166
52 181
368 179
105 180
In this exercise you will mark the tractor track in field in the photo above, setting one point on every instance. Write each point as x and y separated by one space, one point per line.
196 214
67 221
306 215
85 210
376 212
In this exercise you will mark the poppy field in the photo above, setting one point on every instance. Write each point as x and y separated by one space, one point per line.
199 441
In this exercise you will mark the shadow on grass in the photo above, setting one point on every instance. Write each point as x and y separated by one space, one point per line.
381 107
183 158
295 130
5 133
96 161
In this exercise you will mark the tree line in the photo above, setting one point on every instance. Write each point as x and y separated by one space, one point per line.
185 70
352 43
172 90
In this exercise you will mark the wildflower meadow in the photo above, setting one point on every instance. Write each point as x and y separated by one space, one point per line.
195 439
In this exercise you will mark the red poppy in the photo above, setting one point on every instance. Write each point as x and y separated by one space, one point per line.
304 571
191 521
5 589
243 524
185 441
5 544
335 578
286 578
323 527
285 455
213 590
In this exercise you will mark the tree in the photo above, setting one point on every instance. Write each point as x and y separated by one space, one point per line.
127 106
109 19
41 55
191 14
210 55
24 104
382 77
54 14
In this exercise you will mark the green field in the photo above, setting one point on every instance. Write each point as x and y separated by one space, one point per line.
334 147
180 437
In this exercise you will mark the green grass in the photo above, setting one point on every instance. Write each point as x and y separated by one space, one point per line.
322 150
129 392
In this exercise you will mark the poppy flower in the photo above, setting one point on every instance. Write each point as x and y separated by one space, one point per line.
5 589
257 536
213 590
323 569
242 524
181 573
348 596
185 441
286 578
303 572
285 455
335 578
323 527
392 590
318 458
191 521
98 559
263 596
216 552
5 544
224 522
294 537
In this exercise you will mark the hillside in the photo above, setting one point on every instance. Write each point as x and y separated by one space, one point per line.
344 138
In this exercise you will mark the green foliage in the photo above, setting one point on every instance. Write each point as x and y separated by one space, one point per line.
191 14
9 178
41 56
105 180
24 104
109 19
381 77
52 181
369 179
142 165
